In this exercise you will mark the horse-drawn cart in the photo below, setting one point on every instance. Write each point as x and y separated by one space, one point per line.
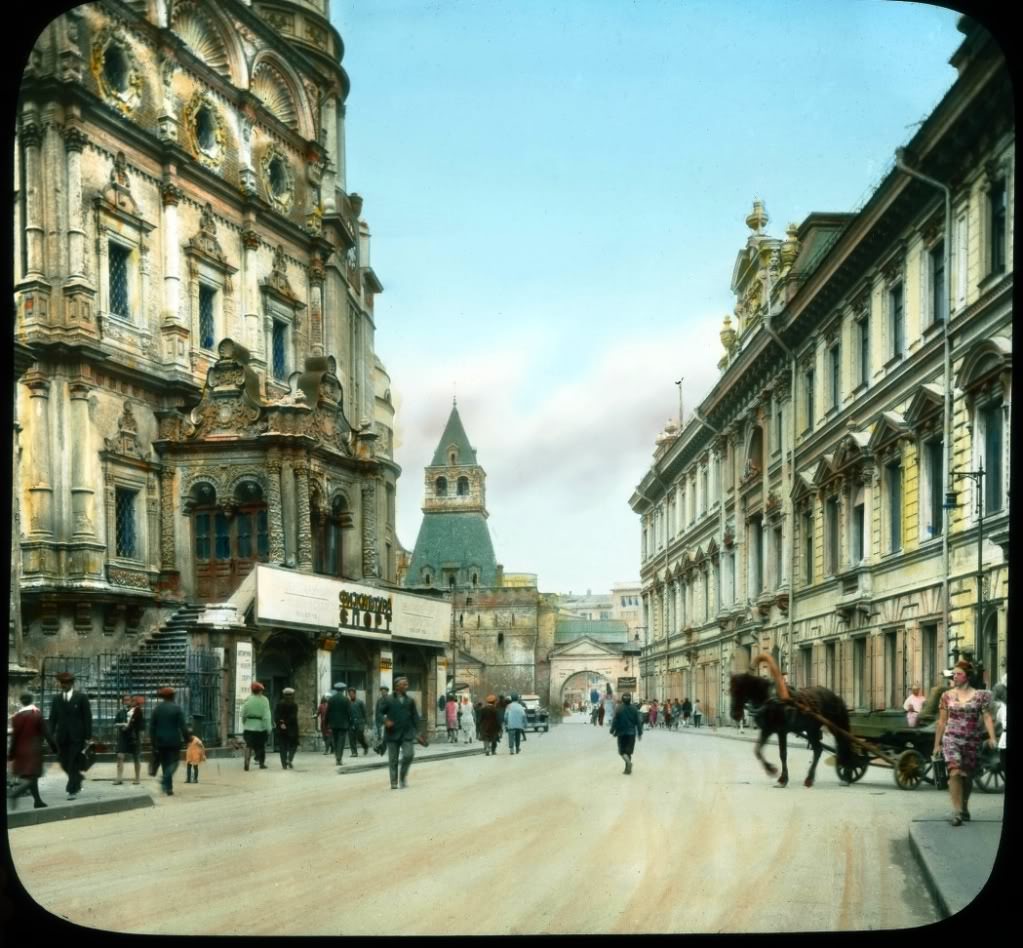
884 739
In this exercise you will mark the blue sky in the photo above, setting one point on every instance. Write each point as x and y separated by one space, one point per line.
557 192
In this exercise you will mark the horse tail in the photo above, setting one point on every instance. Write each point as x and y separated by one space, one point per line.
783 689
839 716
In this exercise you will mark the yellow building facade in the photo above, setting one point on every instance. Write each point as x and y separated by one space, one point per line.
804 509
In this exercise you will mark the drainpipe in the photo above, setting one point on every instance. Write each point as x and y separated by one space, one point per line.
792 486
900 163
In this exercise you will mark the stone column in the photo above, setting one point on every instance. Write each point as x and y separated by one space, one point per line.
250 293
305 539
317 275
275 520
31 139
82 493
53 181
170 195
168 562
74 142
41 490
370 557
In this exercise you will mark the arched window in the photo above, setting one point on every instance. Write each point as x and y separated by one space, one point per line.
441 487
229 537
463 487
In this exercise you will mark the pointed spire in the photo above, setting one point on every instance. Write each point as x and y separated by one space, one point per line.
454 438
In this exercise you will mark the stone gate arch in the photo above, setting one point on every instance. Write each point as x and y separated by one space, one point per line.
587 655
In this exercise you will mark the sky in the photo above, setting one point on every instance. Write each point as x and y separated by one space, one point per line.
557 191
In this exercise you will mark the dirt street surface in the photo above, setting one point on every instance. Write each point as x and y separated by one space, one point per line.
555 839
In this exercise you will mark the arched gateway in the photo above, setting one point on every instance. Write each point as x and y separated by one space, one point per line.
586 655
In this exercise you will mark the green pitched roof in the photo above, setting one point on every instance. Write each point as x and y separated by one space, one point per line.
607 631
454 434
446 540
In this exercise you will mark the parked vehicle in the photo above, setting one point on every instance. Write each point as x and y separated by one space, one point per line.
537 718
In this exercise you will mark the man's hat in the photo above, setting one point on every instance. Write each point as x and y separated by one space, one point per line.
288 691
256 686
339 686
947 673
167 692
384 688
65 676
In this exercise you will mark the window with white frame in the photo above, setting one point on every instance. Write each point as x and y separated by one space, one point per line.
808 382
933 484
893 503
896 322
857 525
777 555
704 489
863 345
835 375
989 417
831 526
937 285
962 246
808 547
997 216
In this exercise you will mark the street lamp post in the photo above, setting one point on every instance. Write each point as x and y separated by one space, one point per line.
977 477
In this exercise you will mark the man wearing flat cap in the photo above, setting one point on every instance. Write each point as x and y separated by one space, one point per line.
168 733
339 719
401 729
70 727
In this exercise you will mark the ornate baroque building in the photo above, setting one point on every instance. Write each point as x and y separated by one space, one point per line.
823 502
199 390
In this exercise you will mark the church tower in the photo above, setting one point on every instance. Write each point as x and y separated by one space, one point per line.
453 548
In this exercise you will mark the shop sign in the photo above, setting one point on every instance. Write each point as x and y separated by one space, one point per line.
360 611
626 684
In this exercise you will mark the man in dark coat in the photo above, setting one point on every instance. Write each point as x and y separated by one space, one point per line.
401 730
357 729
339 718
286 722
627 725
167 733
28 731
70 728
490 726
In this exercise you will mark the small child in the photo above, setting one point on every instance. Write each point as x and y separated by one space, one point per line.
195 754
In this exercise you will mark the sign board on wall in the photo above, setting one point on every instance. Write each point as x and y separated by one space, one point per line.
296 600
626 684
242 680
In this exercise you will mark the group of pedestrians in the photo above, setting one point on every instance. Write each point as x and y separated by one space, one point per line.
498 716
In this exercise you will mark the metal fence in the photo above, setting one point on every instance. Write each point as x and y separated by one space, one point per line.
106 678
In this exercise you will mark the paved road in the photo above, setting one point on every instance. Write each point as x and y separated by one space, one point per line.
555 839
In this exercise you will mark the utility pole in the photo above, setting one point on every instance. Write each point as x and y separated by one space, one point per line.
679 384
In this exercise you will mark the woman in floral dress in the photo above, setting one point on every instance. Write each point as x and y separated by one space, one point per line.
959 735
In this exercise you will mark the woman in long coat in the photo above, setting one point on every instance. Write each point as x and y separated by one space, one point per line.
467 721
490 726
28 731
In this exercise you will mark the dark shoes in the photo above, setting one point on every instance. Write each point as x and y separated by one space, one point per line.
965 815
38 805
956 819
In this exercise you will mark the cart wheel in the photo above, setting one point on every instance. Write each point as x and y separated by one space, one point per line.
990 777
850 773
910 768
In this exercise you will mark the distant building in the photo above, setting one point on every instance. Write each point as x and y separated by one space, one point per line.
503 625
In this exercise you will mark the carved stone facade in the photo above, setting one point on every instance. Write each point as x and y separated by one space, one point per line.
828 487
162 243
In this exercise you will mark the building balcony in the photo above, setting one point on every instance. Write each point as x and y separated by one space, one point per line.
855 591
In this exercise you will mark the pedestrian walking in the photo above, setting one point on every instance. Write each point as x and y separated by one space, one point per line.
129 723
477 711
676 714
490 726
28 732
609 707
627 726
378 713
687 710
600 714
663 716
514 723
70 728
195 754
466 721
357 729
451 719
964 718
167 733
339 717
256 725
323 727
401 731
697 713
595 714
286 722
652 713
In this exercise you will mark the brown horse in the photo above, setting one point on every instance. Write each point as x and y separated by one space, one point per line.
787 714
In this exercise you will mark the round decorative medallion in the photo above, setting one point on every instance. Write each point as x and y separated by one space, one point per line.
116 71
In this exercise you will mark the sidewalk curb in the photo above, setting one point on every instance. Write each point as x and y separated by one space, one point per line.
55 811
946 885
380 764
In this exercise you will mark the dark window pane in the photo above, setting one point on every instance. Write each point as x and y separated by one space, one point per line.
206 332
897 322
124 505
998 219
118 256
939 296
894 472
244 521
202 536
864 350
223 537
993 458
262 537
278 363
935 474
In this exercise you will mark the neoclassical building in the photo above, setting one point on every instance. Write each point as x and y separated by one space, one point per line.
199 388
824 502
